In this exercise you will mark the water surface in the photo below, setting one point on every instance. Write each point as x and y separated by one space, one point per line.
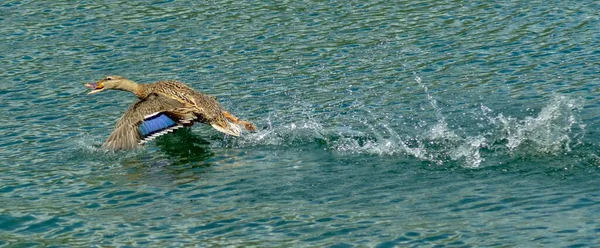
413 123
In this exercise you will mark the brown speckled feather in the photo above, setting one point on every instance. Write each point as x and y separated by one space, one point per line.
206 106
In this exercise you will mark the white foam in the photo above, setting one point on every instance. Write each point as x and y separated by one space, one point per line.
551 131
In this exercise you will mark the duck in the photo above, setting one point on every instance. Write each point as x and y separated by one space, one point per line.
162 108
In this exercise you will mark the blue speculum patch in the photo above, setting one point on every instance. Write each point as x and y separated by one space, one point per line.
155 124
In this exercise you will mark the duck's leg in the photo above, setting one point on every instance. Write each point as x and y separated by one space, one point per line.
249 126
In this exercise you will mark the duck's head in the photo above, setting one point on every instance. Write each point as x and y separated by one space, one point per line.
108 82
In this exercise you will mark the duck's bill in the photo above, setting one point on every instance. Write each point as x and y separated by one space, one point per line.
95 88
95 91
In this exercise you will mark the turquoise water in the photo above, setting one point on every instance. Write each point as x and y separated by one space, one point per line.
414 123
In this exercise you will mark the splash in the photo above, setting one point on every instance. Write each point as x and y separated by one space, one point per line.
87 144
555 129
436 144
90 148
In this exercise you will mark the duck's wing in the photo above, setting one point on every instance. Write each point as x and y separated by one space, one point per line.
147 119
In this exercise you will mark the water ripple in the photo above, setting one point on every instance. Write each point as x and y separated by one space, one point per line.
413 123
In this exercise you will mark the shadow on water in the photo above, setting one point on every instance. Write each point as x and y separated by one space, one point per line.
185 146
180 156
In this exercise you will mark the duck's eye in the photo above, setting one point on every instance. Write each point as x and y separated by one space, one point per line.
109 78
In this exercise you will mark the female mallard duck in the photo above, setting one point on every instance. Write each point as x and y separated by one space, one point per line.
163 107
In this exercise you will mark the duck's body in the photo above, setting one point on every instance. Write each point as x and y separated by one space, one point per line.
163 107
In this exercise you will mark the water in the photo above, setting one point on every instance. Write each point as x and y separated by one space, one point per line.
414 123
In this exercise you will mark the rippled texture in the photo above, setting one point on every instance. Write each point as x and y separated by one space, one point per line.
413 123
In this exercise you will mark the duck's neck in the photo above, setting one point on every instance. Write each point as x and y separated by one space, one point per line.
133 87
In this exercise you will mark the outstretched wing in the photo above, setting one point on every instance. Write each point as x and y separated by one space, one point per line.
147 119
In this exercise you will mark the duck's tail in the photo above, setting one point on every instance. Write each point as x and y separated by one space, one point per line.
227 127
248 125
